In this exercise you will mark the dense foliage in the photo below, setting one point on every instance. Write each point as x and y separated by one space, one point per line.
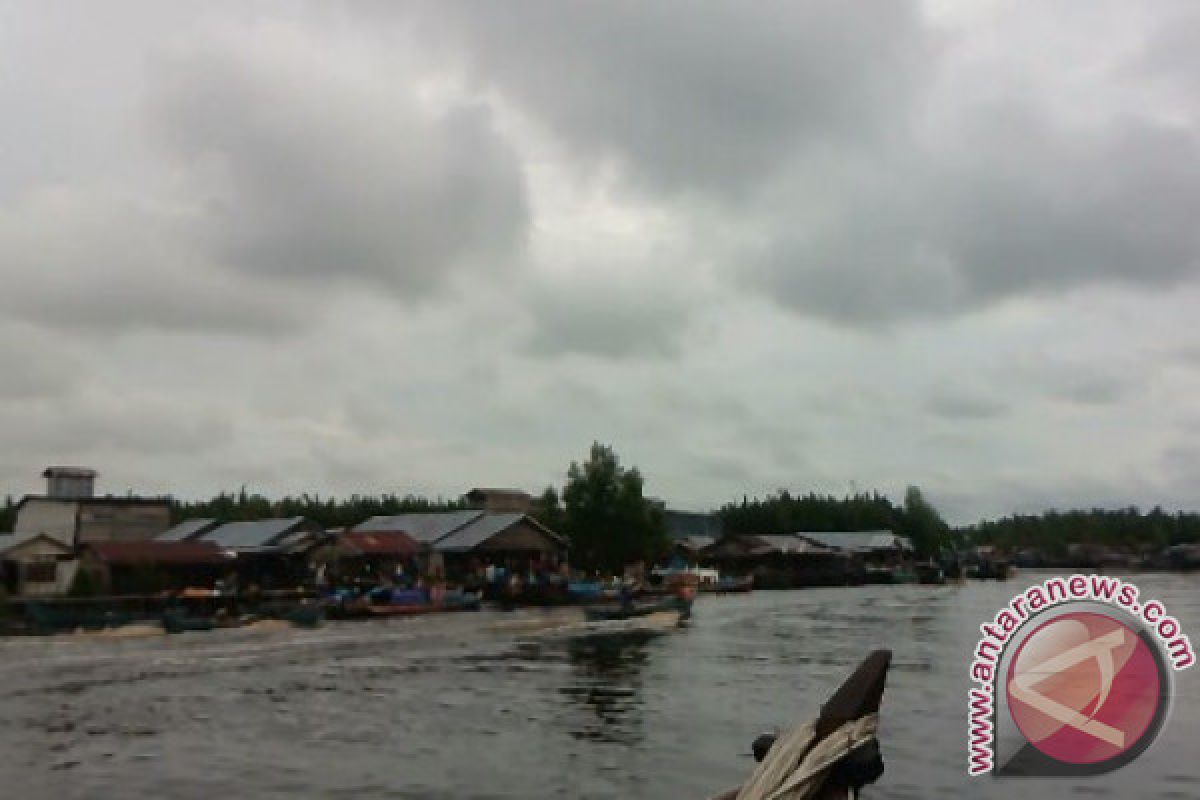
328 512
1053 531
605 515
782 512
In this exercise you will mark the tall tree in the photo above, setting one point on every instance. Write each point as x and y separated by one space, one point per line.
922 524
606 516
8 514
549 511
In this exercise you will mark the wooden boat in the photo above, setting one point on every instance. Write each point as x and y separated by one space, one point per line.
633 610
858 698
404 604
930 573
307 615
730 585
178 620
990 570
70 616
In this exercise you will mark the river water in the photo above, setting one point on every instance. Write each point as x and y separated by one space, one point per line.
527 704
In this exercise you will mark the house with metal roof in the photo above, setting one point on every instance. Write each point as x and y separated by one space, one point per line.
152 566
270 553
861 542
262 535
71 513
451 539
781 561
35 564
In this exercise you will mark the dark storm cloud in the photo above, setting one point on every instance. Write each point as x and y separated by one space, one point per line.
324 173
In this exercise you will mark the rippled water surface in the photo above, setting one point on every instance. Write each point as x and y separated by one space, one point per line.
527 704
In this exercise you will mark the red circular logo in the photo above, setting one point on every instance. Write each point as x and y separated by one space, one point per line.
1083 688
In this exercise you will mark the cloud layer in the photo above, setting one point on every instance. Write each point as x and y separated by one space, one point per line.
371 247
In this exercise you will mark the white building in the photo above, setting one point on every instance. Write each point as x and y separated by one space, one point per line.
71 513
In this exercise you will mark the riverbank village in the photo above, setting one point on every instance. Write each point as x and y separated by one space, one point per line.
76 558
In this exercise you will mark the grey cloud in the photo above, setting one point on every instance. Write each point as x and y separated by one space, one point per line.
96 261
1020 209
324 175
99 421
873 192
1095 390
33 369
608 319
959 405
713 97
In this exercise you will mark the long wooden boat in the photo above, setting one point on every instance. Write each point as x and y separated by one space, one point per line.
61 617
857 699
633 610
729 585
410 605
177 620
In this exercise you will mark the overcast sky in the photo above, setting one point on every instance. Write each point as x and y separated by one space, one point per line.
421 247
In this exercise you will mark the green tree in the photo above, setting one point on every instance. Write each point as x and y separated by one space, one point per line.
549 511
608 520
922 524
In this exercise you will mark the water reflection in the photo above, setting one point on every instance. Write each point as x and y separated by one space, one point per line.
607 683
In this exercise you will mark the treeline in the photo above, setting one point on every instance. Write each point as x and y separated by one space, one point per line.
783 512
329 512
1052 532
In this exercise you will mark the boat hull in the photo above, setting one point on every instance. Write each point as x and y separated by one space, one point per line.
677 605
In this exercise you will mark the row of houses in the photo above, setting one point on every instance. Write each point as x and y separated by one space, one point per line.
128 544
801 558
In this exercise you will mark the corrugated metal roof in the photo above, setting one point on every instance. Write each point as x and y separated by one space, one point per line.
188 529
426 527
258 533
797 543
858 541
478 531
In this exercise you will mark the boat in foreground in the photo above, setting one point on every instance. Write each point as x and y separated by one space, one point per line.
830 758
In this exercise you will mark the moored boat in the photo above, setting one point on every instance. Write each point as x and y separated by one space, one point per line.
386 602
178 620
66 616
728 584
930 573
